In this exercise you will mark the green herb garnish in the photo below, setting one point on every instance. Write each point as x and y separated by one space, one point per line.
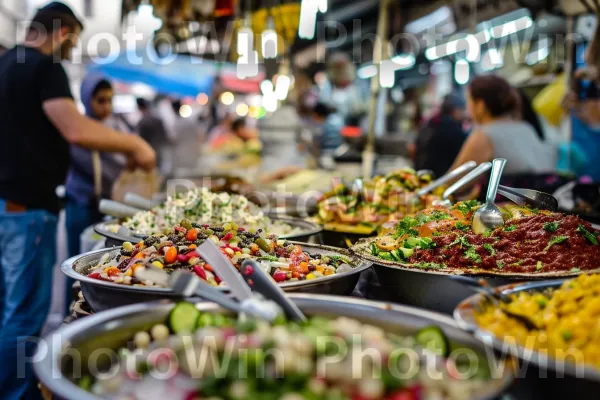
462 241
539 266
566 335
472 255
510 228
439 215
465 207
490 248
575 270
587 234
488 233
555 240
551 226
461 226
500 264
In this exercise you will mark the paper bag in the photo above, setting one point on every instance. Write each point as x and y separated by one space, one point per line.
142 183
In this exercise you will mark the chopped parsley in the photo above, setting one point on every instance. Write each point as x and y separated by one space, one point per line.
539 266
551 226
575 270
510 228
555 240
490 248
461 226
593 239
500 264
405 227
439 215
472 255
488 233
462 241
465 207
542 303
566 335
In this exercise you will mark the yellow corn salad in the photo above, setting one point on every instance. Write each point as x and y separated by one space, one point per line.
568 317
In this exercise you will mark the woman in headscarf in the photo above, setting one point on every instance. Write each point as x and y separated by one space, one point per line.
90 180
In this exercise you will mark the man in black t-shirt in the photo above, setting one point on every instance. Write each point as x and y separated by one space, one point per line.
38 121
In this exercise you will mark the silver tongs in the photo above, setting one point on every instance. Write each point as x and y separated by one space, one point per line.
188 284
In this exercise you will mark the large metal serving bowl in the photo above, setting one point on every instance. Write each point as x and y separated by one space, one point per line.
574 382
434 290
307 230
102 295
113 329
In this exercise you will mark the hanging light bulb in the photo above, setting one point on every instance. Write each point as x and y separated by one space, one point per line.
269 40
322 6
266 87
308 19
282 87
387 73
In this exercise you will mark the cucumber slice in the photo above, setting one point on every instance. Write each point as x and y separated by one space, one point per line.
434 339
412 242
406 252
183 318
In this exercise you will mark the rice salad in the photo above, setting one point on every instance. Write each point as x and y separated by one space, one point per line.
202 206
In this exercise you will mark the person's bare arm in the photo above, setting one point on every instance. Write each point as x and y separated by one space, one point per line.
592 57
85 132
478 147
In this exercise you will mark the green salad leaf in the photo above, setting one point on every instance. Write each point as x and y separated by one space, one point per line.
588 235
555 240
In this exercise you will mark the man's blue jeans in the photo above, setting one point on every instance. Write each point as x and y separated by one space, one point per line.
27 257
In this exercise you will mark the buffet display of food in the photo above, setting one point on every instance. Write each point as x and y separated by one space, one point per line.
566 318
532 242
405 233
202 206
357 209
301 365
283 260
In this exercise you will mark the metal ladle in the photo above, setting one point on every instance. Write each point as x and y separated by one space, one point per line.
488 217
465 180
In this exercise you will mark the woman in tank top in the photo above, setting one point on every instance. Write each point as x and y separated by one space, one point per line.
492 104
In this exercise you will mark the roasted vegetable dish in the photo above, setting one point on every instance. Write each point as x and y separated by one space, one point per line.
200 355
567 317
283 260
531 241
381 199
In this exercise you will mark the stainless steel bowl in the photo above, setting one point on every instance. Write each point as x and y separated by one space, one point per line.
102 295
573 381
431 289
113 329
307 230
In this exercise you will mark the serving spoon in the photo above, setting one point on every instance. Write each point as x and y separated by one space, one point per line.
488 217
465 180
496 297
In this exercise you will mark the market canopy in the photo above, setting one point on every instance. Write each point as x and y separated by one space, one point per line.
179 75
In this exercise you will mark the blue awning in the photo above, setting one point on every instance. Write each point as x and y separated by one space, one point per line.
180 76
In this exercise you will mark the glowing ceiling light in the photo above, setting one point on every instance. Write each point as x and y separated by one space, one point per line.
266 87
185 111
241 110
270 102
145 16
308 19
462 72
403 61
470 43
282 87
202 99
227 98
367 72
387 74
269 40
511 27
322 6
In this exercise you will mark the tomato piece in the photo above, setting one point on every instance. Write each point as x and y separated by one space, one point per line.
209 268
95 275
112 271
200 272
228 236
192 235
171 255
